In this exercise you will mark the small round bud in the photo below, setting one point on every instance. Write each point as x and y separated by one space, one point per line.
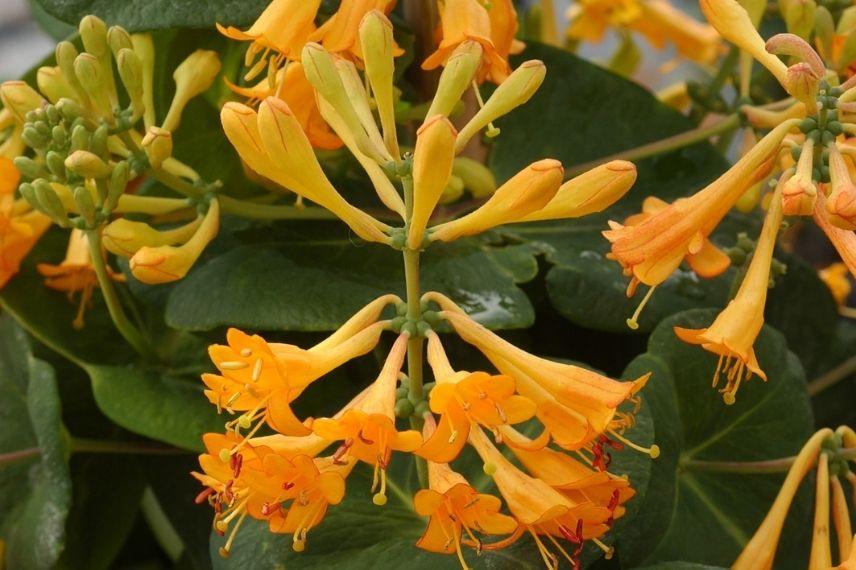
85 205
28 167
55 163
87 165
404 408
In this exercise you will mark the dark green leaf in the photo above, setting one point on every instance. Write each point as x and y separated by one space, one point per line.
35 488
704 516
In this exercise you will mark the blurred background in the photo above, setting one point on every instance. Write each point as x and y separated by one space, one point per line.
22 42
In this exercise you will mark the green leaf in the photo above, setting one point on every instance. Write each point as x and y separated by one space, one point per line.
316 280
156 404
704 516
593 113
35 489
107 491
157 14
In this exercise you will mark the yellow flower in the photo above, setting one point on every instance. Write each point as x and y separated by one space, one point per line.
167 263
20 226
503 28
843 240
368 429
262 379
760 551
576 405
650 247
432 168
469 20
836 278
340 33
75 274
464 398
841 202
455 508
657 20
126 237
735 329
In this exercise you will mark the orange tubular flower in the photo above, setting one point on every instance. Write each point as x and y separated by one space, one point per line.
283 28
340 34
735 329
455 508
20 226
841 202
464 20
650 247
75 274
293 88
576 405
843 240
262 379
465 398
367 428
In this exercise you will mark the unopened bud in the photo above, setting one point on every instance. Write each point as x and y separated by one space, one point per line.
192 77
34 138
454 189
116 186
119 39
88 72
476 177
52 84
93 32
158 145
456 78
803 84
799 17
516 90
98 142
85 205
29 194
69 109
848 51
55 163
80 137
20 99
87 165
377 43
49 202
824 29
145 49
131 73
28 167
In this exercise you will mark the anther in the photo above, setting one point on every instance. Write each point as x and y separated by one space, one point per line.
633 322
232 365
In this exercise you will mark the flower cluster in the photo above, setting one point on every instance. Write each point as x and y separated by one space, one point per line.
805 156
828 453
557 488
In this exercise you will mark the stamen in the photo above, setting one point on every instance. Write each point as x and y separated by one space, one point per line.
203 496
453 436
608 551
257 370
380 498
225 550
232 399
491 131
232 365
549 558
633 322
456 537
653 451
342 451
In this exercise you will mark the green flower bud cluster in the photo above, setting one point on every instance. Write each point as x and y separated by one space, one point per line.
741 254
406 406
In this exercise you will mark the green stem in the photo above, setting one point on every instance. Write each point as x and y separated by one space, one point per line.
665 145
257 211
754 467
83 445
18 455
120 319
414 314
161 527
177 183
832 377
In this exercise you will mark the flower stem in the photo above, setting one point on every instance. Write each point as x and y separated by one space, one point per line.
161 527
18 455
754 467
665 145
256 211
414 314
177 183
83 445
120 319
832 377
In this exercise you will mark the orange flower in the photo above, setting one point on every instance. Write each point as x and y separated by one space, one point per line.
368 429
293 88
836 278
464 20
455 507
465 398
75 274
576 405
20 226
262 379
843 240
340 34
841 201
735 329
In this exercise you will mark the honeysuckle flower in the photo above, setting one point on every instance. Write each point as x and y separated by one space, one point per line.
75 274
379 51
503 28
432 168
340 33
799 192
760 551
469 20
262 379
273 144
456 510
821 551
126 237
843 240
463 398
192 77
733 332
283 28
367 428
53 84
841 518
19 98
575 404
590 192
650 247
841 201
525 193
167 263
456 77
836 278
20 226
657 20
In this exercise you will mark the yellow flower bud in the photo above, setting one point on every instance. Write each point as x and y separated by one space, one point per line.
166 263
86 164
590 192
323 74
824 29
65 55
848 51
53 85
799 192
477 177
89 73
192 77
526 192
93 33
119 39
520 86
125 237
131 72
20 99
453 190
456 78
378 46
145 50
799 16
158 145
432 167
